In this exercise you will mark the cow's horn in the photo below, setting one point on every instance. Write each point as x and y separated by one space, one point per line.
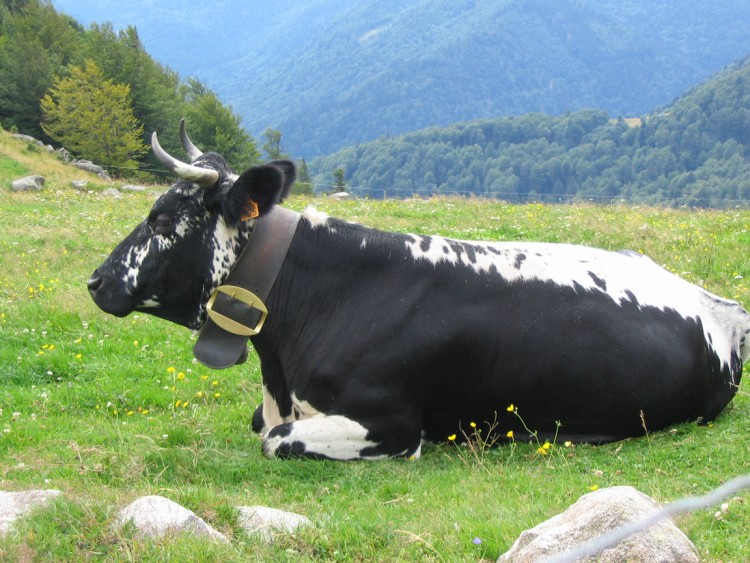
204 177
190 149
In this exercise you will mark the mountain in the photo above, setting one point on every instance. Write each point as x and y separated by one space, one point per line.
695 151
334 73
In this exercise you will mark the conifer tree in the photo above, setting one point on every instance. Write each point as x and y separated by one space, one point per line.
93 117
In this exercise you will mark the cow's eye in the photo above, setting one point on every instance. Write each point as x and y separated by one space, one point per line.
163 224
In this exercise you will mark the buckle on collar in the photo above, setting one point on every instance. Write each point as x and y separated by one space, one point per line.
243 296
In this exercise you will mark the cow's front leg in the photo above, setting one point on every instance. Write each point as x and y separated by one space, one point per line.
335 437
257 422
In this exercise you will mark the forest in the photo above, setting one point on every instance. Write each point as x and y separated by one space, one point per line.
97 92
693 152
87 88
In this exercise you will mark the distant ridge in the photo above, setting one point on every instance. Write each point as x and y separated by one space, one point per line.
334 73
696 152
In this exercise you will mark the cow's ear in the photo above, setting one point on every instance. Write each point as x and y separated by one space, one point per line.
254 193
289 170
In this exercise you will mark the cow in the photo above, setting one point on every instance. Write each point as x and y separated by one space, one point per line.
372 342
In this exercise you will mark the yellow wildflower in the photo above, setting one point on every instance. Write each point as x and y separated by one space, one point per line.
451 438
510 434
511 408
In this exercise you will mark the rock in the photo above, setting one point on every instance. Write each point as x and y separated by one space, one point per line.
88 166
340 196
112 192
595 514
15 505
133 188
267 521
79 184
63 154
29 183
157 516
22 137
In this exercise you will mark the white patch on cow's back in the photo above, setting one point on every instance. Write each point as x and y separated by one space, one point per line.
332 436
623 276
314 217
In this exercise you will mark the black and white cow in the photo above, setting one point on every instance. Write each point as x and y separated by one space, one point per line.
375 341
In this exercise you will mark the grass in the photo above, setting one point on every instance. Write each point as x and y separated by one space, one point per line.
109 410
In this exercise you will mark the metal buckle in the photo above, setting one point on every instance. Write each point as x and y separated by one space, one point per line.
244 296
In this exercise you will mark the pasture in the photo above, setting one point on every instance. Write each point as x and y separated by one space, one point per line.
109 409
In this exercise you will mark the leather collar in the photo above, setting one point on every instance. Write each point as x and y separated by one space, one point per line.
237 308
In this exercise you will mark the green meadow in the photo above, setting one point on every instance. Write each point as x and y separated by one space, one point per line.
108 410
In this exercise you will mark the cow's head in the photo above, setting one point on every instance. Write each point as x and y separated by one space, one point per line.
169 265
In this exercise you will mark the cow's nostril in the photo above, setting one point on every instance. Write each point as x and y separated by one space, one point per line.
94 283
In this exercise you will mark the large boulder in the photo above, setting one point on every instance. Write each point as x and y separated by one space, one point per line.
89 166
15 505
266 522
28 184
157 516
27 138
595 514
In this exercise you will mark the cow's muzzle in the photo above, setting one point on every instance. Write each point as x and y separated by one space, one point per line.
105 298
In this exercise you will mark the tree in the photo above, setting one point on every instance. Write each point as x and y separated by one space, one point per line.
214 126
339 181
158 103
93 117
35 44
272 146
303 185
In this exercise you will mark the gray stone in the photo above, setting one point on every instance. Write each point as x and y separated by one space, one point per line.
340 196
22 137
266 521
29 183
79 184
134 188
63 154
88 166
157 516
15 505
595 514
112 192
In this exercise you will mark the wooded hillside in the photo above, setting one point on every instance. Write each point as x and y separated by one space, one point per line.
693 152
40 47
